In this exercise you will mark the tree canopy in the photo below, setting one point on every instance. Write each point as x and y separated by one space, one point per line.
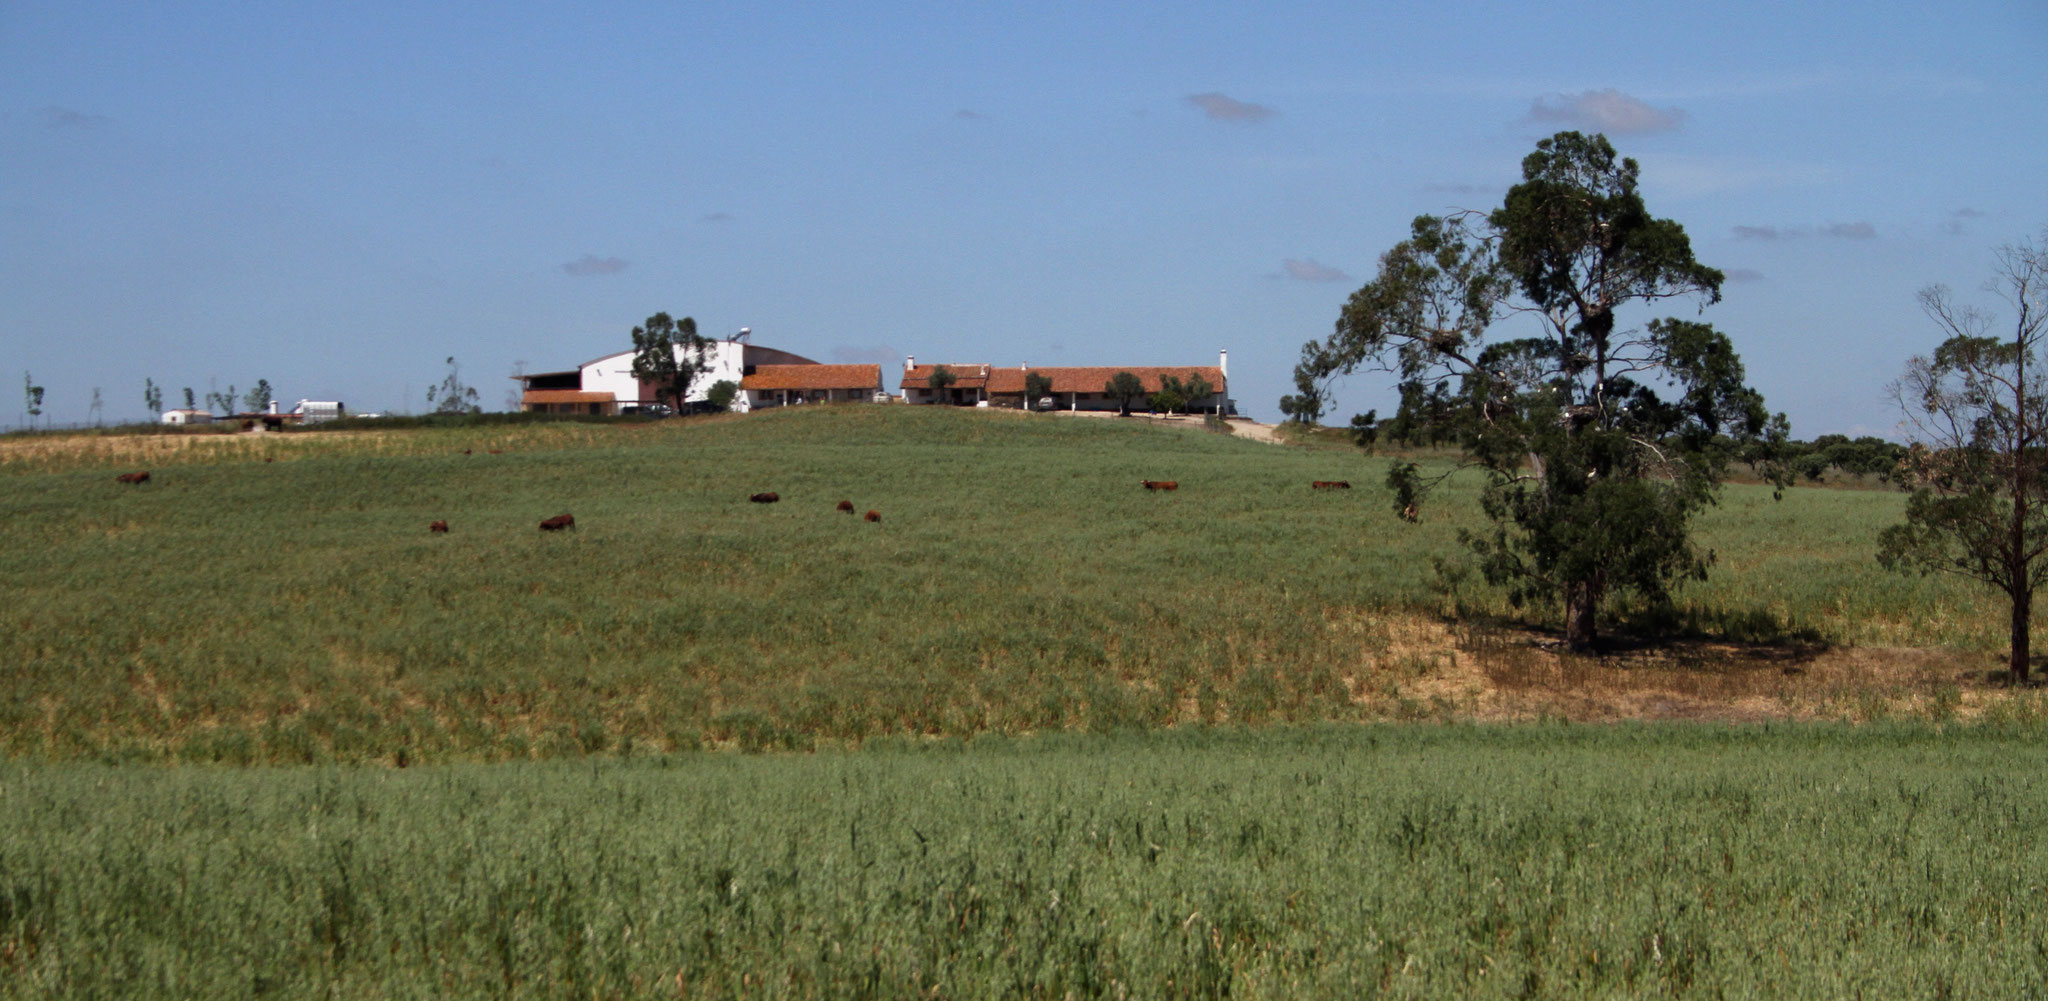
1600 439
451 396
1978 465
225 402
1037 386
668 354
940 380
1125 387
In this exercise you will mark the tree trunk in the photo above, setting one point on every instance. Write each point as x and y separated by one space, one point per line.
2022 651
1581 599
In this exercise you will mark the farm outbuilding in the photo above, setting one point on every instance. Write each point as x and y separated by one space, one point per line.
316 411
187 417
1073 387
783 385
607 385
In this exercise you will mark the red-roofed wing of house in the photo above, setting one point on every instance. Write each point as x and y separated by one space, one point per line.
782 385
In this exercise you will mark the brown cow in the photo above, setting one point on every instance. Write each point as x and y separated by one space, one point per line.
846 506
558 522
1331 485
765 498
141 477
1161 484
439 526
873 516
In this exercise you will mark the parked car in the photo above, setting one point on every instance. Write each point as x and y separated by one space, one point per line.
658 410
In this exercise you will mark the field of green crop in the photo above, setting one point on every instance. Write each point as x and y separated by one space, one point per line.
1068 738
279 599
1400 861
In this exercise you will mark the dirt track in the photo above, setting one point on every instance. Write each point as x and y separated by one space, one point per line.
1252 430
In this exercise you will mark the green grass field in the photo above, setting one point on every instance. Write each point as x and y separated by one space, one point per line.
1399 861
265 736
278 598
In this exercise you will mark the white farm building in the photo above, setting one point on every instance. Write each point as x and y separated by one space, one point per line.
768 377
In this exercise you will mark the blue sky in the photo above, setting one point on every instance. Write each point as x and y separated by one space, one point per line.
335 197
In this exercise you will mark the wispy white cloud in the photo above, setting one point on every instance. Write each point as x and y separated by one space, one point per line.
1835 230
1224 108
1607 110
591 264
55 117
1310 271
1958 221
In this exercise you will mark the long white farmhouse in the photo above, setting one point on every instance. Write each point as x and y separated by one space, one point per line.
1067 387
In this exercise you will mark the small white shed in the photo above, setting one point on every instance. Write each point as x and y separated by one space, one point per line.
187 417
317 411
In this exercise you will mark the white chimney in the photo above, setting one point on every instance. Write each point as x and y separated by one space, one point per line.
1223 362
909 362
273 406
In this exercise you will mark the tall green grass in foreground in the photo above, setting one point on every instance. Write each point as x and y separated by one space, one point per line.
1894 861
297 610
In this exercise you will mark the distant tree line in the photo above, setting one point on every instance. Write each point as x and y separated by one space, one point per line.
1429 418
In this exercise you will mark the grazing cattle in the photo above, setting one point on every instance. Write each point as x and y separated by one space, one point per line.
1331 484
141 477
765 498
1161 484
558 522
465 451
442 526
873 516
846 506
1410 513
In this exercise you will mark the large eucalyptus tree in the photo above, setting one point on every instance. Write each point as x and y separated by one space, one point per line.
1600 438
1977 411
669 355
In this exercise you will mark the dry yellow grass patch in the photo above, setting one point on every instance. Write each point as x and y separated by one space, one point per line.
1504 674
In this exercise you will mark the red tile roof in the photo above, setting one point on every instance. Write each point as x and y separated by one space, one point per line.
814 377
964 376
1091 379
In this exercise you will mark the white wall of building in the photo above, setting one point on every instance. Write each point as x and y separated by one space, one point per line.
614 373
723 360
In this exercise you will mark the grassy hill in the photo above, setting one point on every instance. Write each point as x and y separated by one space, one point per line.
278 598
